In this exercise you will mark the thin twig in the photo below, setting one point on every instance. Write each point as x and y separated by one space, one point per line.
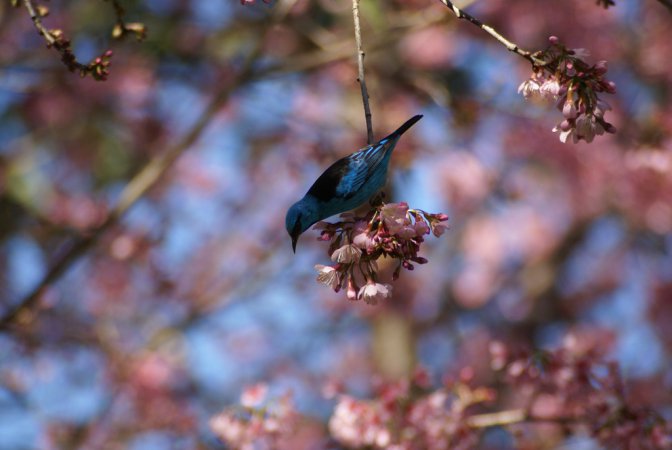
512 416
512 47
98 68
122 28
360 63
52 41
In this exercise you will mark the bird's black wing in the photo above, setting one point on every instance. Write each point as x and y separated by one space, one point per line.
324 188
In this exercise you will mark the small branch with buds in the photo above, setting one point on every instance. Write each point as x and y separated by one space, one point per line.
99 67
123 28
360 64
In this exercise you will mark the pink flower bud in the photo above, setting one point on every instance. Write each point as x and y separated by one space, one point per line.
553 40
565 125
569 110
601 67
611 87
107 54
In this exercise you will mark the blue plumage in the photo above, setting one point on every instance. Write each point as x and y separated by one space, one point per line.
345 185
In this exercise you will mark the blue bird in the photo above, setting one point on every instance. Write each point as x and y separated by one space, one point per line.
345 185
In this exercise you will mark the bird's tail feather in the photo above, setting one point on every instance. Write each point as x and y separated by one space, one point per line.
402 129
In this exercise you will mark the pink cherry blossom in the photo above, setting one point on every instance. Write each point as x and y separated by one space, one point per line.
347 254
388 230
371 292
576 85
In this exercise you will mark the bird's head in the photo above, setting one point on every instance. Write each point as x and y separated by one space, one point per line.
299 218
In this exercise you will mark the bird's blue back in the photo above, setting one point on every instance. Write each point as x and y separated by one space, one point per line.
365 175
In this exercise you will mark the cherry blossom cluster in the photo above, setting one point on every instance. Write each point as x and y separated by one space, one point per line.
258 423
581 389
409 415
575 85
391 230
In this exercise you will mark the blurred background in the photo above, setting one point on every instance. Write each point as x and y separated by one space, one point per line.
195 293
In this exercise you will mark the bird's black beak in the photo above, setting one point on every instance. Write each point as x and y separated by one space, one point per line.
296 232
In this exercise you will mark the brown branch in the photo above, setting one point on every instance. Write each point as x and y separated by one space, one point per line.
52 40
122 28
511 417
512 47
360 64
98 68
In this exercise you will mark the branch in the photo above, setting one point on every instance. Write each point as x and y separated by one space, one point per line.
512 416
54 38
510 46
99 67
122 28
360 63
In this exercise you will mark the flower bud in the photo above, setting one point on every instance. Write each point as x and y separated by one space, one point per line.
569 110
351 291
553 40
609 128
601 67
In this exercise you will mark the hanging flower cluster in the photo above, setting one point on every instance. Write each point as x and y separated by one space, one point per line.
575 85
388 230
